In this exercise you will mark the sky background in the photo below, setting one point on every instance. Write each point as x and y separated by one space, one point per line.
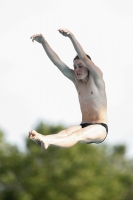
31 87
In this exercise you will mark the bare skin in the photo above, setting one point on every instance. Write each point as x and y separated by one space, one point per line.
90 86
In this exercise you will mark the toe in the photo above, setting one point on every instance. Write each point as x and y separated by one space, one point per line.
32 134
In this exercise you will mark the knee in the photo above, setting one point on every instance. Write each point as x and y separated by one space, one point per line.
96 137
101 136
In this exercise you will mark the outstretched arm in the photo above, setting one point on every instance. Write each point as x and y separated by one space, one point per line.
53 56
94 70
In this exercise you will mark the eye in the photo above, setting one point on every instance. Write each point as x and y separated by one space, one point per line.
80 66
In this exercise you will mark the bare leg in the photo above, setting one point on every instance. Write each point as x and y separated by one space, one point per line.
37 138
93 133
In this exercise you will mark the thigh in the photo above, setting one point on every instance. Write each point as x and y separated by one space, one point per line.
70 130
93 134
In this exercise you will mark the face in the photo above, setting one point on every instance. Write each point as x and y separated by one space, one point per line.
80 69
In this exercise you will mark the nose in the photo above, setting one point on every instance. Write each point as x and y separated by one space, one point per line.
77 69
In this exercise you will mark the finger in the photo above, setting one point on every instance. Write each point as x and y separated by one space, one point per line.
60 29
31 37
60 32
34 37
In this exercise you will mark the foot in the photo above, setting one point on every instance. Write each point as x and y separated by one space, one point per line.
38 139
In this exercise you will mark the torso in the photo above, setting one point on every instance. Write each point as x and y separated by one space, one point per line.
92 99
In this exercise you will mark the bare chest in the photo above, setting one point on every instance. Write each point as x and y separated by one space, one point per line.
86 91
90 96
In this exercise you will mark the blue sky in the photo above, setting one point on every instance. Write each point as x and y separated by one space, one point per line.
31 87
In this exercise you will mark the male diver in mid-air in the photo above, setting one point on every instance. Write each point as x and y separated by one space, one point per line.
90 86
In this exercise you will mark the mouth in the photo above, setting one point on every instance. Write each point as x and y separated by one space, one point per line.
79 74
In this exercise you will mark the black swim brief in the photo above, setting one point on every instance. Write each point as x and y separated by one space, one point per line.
102 124
88 124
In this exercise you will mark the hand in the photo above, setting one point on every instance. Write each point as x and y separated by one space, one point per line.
64 32
37 37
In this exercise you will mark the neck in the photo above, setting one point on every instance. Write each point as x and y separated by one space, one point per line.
85 80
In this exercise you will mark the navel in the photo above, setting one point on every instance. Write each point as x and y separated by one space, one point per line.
91 92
